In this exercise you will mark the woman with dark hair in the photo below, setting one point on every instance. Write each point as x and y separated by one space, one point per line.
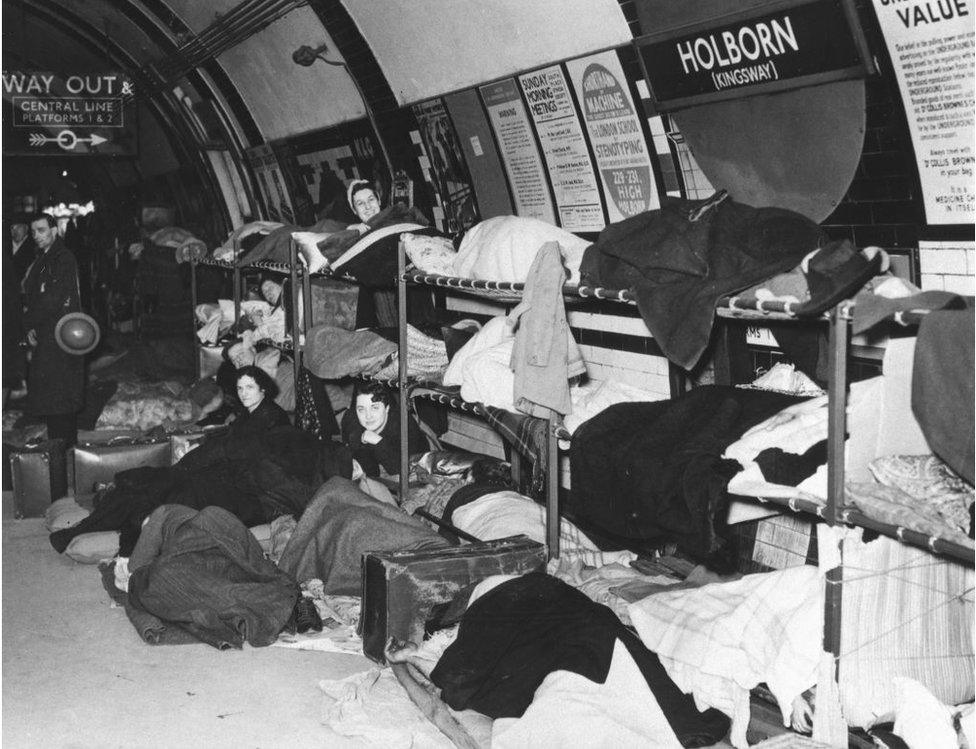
371 429
259 468
256 391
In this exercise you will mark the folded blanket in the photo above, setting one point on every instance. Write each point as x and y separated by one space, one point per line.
332 353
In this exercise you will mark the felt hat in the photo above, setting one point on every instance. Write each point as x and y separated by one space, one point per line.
77 333
836 273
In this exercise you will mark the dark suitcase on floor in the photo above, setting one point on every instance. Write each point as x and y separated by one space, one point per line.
401 587
98 464
39 476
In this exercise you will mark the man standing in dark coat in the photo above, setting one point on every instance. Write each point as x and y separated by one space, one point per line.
55 378
23 251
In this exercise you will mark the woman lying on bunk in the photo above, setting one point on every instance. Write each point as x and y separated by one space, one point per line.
371 429
259 469
318 250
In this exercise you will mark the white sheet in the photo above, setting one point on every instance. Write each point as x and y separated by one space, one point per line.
721 640
570 710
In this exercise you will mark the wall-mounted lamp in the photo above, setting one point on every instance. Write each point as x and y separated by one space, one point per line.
306 57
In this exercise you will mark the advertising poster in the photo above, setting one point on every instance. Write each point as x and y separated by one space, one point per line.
325 173
933 60
615 134
519 151
271 183
564 147
448 174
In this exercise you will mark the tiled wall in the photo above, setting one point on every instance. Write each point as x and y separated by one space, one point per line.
948 266
615 345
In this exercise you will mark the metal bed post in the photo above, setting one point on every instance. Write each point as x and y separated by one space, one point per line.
836 428
297 330
401 287
237 294
552 486
193 306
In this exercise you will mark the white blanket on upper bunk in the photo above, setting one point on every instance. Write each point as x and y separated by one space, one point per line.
721 640
503 248
481 366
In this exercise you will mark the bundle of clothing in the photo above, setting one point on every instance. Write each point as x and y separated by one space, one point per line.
258 470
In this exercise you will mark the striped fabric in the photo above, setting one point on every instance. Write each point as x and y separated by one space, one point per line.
905 612
721 640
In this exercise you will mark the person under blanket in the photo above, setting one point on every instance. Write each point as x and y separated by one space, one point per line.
371 429
203 572
364 202
260 469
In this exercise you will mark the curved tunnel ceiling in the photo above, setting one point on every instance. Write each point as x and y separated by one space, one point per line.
417 58
431 47
285 98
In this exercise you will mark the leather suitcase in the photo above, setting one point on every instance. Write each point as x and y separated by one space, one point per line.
98 464
39 476
401 587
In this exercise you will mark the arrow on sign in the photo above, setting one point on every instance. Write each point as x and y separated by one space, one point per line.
66 139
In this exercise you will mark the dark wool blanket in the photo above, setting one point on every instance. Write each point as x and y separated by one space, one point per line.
339 525
205 573
680 260
654 471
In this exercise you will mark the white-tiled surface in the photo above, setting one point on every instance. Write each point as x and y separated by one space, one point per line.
948 266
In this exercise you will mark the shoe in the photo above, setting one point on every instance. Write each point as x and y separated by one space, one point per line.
306 616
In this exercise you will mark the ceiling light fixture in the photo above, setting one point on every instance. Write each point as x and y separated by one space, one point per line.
306 57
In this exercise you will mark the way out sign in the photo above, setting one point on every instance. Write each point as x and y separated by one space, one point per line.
75 114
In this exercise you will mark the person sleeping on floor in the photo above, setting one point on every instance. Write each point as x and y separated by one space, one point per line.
260 469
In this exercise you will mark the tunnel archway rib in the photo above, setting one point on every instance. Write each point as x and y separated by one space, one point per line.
151 17
170 118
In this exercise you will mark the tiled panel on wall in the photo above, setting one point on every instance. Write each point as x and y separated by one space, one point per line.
614 347
948 266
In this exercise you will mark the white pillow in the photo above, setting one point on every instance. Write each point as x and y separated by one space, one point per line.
430 254
503 248
64 513
495 331
596 397
92 548
488 377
